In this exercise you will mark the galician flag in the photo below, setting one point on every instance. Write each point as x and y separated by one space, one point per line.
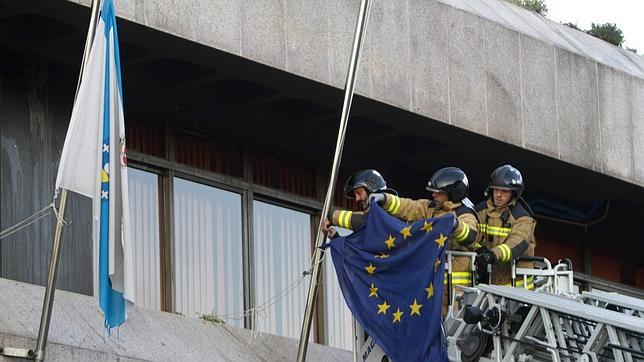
93 163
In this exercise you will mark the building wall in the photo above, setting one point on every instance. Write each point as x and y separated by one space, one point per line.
35 103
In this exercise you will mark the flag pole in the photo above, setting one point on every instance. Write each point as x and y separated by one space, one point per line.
358 38
48 302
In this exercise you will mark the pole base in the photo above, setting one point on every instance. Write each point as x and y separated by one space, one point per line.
17 352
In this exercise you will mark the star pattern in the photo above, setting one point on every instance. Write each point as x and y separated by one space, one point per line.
406 232
415 308
430 291
397 314
382 308
373 291
441 240
390 242
427 226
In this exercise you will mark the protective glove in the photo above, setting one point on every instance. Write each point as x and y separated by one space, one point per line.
454 223
332 233
485 258
377 197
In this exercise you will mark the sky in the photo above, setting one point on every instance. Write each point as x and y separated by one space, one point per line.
628 15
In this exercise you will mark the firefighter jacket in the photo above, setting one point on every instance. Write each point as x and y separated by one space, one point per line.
463 236
507 231
351 220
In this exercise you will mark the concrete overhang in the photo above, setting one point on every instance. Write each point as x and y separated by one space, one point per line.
488 67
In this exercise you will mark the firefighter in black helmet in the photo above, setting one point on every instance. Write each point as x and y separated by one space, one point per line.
359 186
363 183
449 187
507 227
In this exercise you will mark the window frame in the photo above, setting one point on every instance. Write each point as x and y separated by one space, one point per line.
168 169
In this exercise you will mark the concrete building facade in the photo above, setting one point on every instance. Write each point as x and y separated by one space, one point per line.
232 111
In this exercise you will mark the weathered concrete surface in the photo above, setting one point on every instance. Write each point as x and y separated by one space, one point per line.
77 334
483 65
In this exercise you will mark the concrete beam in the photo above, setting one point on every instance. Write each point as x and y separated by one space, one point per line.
486 66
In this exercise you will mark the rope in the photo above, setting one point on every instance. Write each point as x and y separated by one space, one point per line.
37 216
262 308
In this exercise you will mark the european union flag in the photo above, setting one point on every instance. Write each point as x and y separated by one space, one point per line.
391 276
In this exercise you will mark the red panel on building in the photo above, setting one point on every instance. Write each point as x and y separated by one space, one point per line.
144 136
639 276
554 250
606 266
207 153
284 174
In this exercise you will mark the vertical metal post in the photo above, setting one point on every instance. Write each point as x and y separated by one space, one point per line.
88 41
346 107
48 302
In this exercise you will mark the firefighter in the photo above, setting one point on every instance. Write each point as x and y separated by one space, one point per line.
359 186
506 227
449 187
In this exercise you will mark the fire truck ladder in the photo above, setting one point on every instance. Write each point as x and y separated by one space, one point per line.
513 324
617 302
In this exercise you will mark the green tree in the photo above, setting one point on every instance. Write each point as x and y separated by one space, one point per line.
572 25
608 32
538 6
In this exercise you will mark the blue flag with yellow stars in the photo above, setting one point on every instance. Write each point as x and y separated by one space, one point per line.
391 276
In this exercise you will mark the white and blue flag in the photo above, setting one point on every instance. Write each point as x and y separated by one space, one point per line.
93 163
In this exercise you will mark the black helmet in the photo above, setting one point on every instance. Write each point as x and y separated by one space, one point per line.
452 181
370 179
507 177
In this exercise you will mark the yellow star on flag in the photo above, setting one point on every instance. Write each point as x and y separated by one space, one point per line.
370 269
406 232
436 264
427 226
397 314
373 291
390 242
430 291
381 255
382 308
415 308
441 240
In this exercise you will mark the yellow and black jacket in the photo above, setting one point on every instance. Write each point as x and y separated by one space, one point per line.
507 231
351 220
463 238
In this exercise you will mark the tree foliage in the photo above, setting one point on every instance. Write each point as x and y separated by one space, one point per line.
608 32
538 6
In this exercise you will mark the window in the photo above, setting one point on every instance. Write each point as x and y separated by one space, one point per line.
144 208
282 251
338 325
207 252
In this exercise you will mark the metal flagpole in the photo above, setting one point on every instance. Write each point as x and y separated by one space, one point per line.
48 302
358 38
